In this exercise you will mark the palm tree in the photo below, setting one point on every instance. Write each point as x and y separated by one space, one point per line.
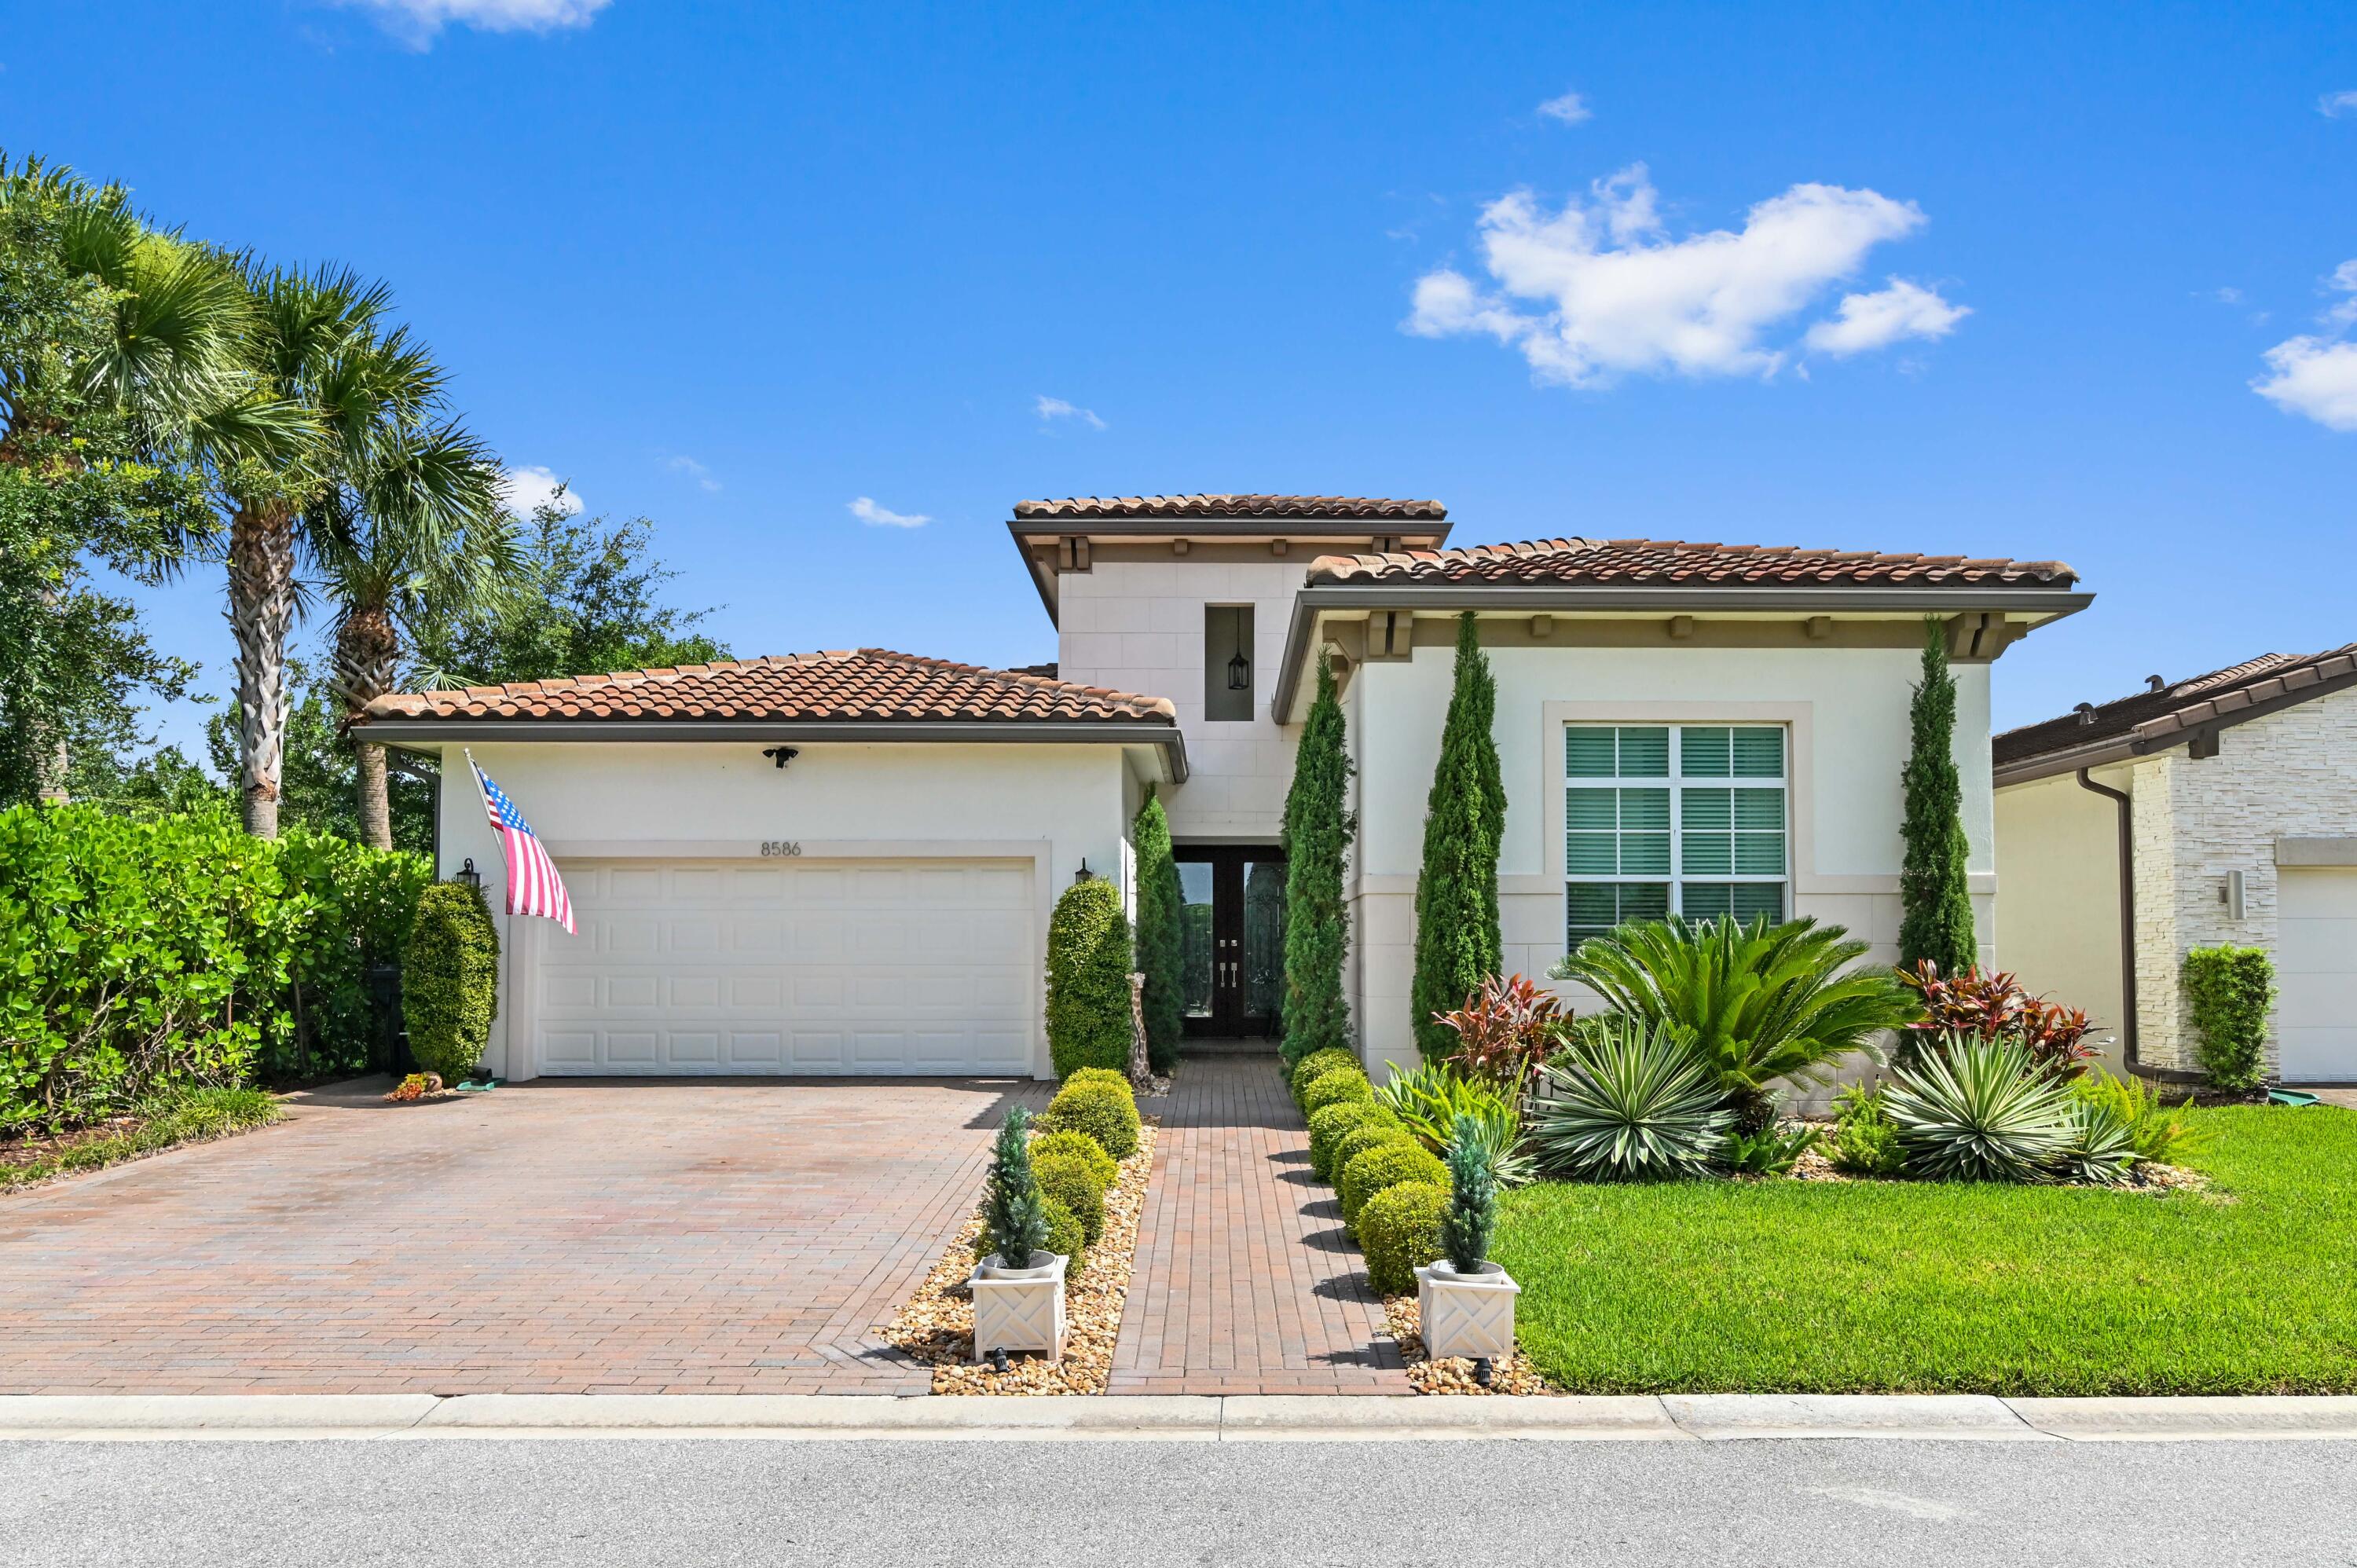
415 535
1761 1002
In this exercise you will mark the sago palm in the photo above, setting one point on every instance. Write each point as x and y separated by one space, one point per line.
1761 1002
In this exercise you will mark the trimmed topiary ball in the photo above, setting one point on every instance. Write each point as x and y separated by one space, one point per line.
1098 1075
1067 1237
1297 1076
1385 1164
1399 1231
1104 1112
1334 1087
1326 1128
1082 1146
1368 1134
1069 1179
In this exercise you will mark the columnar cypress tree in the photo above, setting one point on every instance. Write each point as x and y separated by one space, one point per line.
1935 895
1161 942
1456 941
1318 828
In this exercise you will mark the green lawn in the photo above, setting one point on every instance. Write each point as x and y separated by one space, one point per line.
1827 1287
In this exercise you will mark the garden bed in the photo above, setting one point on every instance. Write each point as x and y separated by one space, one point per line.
2249 1287
198 1116
937 1324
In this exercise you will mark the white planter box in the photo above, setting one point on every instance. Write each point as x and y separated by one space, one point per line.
1019 1309
1467 1314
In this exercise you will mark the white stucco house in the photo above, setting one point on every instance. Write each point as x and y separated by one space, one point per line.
2218 809
843 862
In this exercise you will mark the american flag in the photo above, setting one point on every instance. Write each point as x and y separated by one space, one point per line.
533 887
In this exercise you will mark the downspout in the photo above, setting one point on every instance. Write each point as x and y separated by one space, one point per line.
2127 916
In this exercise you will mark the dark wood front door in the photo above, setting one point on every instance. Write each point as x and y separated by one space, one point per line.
1233 901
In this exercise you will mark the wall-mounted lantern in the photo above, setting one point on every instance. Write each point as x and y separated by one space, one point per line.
782 754
469 876
1085 873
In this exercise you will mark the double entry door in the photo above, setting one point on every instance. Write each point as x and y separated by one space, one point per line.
1234 898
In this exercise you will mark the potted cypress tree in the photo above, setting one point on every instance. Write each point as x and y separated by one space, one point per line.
1018 1288
1467 1302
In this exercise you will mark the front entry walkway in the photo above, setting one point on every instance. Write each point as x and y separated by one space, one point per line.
728 1236
1245 1283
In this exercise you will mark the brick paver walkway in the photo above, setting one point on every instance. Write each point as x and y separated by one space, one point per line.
706 1237
1245 1283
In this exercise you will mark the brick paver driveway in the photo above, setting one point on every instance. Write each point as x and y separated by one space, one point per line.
709 1237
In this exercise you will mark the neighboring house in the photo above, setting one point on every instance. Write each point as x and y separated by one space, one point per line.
1701 728
2220 809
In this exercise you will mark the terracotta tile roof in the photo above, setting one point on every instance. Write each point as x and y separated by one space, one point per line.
1210 508
1649 561
2166 714
865 685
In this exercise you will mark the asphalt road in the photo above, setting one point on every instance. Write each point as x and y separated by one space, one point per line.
646 1502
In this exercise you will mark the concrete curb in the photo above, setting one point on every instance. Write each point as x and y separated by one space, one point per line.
1174 1418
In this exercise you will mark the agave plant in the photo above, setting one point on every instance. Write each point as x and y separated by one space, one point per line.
1440 1106
2099 1149
1632 1099
1759 1002
1977 1110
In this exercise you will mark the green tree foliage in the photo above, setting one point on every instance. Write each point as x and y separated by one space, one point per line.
450 979
1014 1215
1457 941
2229 990
1935 894
151 955
1161 935
584 599
1319 831
1088 979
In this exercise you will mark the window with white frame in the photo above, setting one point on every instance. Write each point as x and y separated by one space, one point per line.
1685 818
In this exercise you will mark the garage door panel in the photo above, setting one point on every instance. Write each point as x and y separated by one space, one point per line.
2315 972
916 967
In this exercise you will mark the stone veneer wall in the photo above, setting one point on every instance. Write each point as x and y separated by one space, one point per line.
2290 774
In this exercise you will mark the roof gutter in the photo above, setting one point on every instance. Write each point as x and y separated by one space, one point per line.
1568 597
421 733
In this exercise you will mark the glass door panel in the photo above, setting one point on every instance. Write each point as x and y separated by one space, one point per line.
1195 879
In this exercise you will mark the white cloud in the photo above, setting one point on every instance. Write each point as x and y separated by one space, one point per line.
526 491
1616 294
695 470
2229 297
2334 105
868 513
2316 377
1571 109
2343 281
1878 320
420 20
1055 408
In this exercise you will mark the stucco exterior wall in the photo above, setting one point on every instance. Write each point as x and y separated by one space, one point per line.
2058 862
1137 626
1847 711
1060 804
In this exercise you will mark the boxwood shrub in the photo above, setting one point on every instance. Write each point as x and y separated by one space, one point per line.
1105 1111
1366 1136
1065 1236
1334 1087
1328 1126
1088 979
1386 1164
1315 1062
450 979
1399 1229
1072 1182
1081 1147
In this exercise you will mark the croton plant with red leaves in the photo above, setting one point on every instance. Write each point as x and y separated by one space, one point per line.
1506 1029
1995 1006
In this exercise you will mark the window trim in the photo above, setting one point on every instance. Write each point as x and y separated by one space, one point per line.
1675 782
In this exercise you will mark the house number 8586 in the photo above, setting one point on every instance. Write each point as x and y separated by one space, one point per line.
781 846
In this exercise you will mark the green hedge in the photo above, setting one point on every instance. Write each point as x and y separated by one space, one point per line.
152 956
2230 989
1334 1087
1399 1231
450 980
1298 1076
1072 1182
1088 979
1334 1122
1386 1164
1105 1111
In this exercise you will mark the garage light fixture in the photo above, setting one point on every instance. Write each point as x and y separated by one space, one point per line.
782 754
1085 873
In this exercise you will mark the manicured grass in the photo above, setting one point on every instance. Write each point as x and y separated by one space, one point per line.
192 1118
1825 1287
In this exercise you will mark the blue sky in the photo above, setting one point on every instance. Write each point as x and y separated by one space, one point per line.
1984 280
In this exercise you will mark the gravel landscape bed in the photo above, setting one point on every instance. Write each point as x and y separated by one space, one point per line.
937 1324
1454 1375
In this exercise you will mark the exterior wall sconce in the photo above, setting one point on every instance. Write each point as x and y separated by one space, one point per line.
1085 873
2230 894
782 754
469 876
1239 672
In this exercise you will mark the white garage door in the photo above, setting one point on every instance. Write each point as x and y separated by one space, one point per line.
820 966
2315 967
